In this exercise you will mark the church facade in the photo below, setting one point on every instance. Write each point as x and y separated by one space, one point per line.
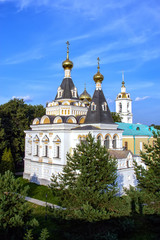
68 120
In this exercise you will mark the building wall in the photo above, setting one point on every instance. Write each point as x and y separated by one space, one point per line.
139 143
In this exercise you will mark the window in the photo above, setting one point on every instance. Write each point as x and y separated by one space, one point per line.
127 107
119 96
57 151
115 142
56 147
120 107
99 138
140 146
104 106
45 141
93 106
126 145
138 128
106 142
36 146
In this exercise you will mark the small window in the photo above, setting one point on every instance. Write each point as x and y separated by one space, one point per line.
57 151
120 107
138 128
104 107
93 107
119 96
128 96
126 145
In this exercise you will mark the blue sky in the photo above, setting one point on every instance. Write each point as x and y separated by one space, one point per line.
124 34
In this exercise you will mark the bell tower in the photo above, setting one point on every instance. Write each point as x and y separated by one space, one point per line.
124 104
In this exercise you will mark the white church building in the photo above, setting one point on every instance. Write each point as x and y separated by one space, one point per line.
68 120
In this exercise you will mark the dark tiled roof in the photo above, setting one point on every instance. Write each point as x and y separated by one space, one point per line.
99 116
119 154
89 127
67 85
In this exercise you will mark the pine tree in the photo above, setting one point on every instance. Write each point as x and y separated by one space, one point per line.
15 212
28 235
7 162
44 234
87 184
149 178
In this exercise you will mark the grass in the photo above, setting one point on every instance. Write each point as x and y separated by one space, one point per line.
39 192
146 227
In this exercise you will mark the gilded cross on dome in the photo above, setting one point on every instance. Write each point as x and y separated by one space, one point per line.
123 78
98 59
67 49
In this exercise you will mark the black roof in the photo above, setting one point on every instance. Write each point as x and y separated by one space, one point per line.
89 127
99 115
67 85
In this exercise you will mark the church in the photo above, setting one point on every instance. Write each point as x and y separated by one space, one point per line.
68 120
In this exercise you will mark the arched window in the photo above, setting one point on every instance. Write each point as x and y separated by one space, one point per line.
36 146
120 107
99 138
104 107
56 147
93 106
106 142
115 141
45 141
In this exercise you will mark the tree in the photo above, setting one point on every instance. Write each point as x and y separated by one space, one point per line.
15 117
149 178
87 184
15 212
44 234
7 162
28 235
116 117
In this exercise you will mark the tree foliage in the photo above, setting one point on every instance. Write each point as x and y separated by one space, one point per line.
149 178
87 184
7 162
116 117
15 117
15 212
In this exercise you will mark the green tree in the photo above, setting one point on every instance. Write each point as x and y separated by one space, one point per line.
87 184
15 212
28 235
7 162
15 117
116 117
149 178
44 234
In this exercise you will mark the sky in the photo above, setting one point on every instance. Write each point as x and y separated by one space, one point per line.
124 34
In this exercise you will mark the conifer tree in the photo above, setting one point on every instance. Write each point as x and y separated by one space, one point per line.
87 184
15 212
149 178
7 162
44 234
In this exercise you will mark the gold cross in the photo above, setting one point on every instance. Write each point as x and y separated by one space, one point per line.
98 63
67 49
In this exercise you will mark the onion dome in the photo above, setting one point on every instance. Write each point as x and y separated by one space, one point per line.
86 102
98 77
85 95
67 64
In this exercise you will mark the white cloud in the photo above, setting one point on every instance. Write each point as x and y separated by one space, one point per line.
25 98
24 57
141 98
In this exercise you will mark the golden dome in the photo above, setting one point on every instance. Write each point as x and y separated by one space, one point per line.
86 102
98 77
67 64
85 95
